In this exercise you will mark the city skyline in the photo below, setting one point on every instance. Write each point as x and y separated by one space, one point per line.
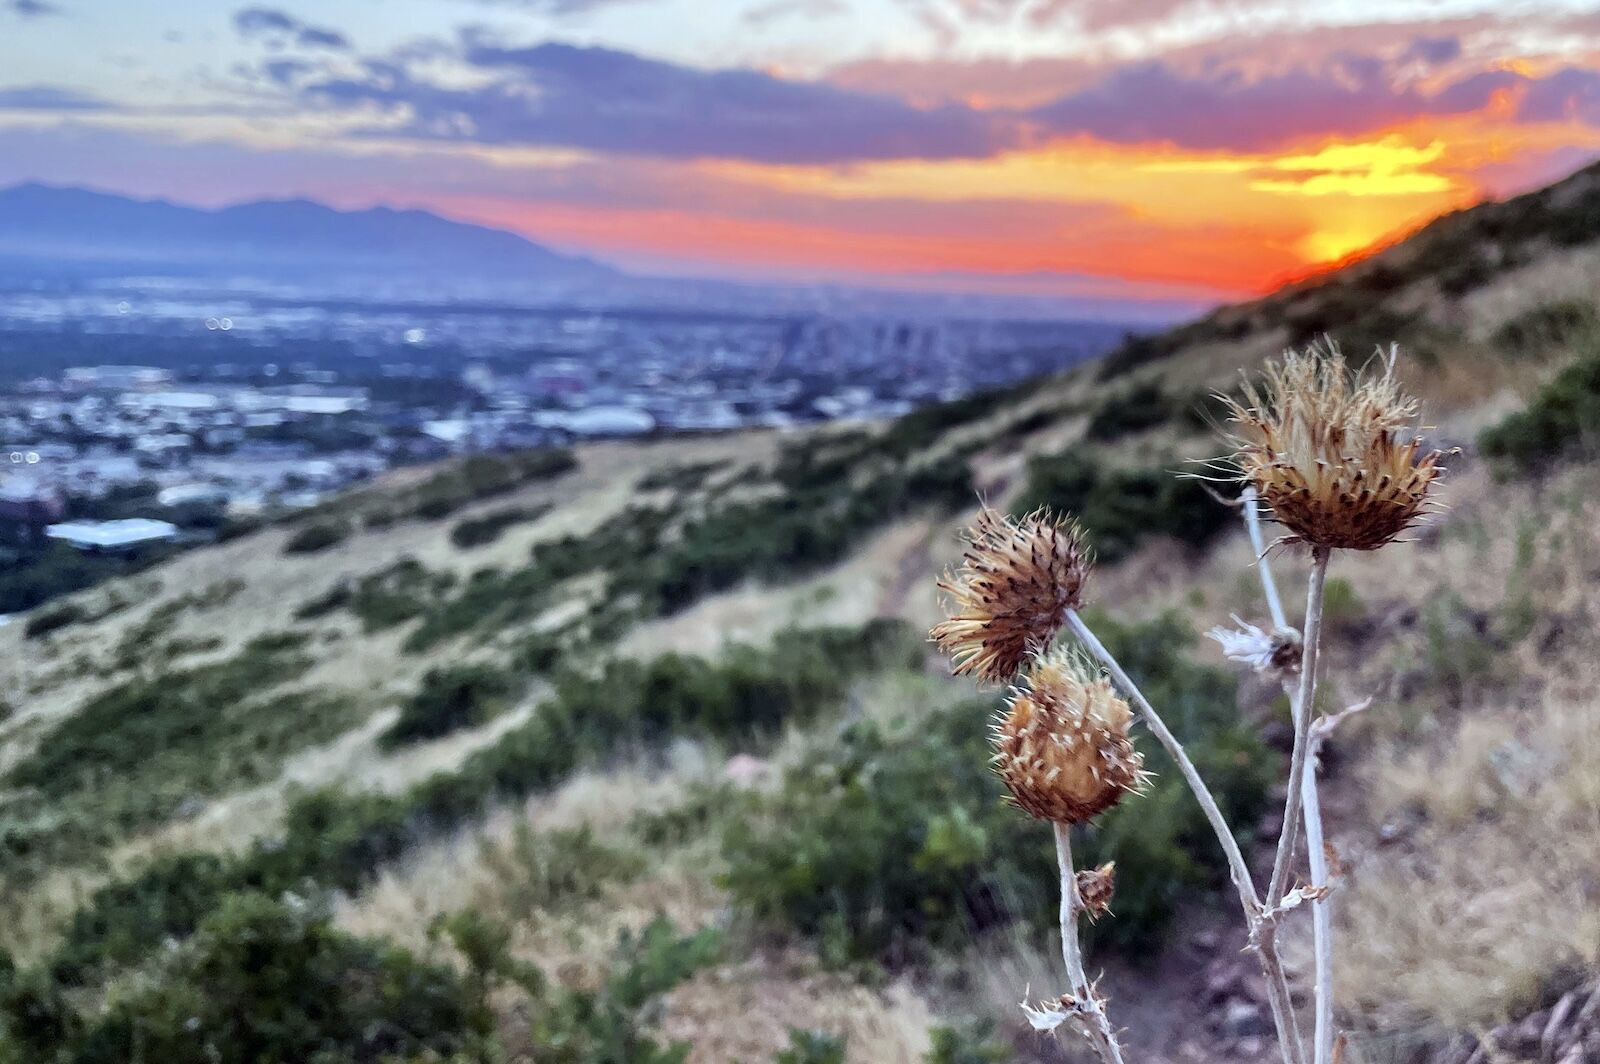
1153 149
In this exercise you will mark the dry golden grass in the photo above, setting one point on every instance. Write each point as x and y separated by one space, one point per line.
744 1012
1491 888
461 871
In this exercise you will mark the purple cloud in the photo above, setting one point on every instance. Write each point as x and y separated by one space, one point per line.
49 98
610 101
1349 95
1435 51
32 8
281 26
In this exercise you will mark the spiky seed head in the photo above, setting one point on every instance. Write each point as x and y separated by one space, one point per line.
1011 593
1095 888
1334 452
1062 745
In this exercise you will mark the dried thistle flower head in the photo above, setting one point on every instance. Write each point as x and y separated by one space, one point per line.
1333 452
1011 593
1095 888
1062 746
1276 651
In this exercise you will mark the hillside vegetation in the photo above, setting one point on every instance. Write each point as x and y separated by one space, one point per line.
637 753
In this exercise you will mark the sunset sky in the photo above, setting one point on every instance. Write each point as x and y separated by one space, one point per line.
1149 149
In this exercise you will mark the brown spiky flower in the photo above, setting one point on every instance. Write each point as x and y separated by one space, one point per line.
1011 593
1062 746
1334 453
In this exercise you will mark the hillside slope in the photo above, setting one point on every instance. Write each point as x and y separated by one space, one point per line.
686 680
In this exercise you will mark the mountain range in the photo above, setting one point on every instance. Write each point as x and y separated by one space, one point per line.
82 226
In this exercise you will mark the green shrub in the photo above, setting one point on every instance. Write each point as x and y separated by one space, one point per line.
121 730
335 598
1547 326
811 1047
970 1043
482 477
1120 508
892 844
608 1025
396 594
449 699
317 536
130 756
53 620
30 578
479 531
121 919
269 980
834 490
686 476
1134 409
1561 421
897 841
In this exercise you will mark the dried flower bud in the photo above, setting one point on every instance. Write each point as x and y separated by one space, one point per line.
1011 593
1095 887
1063 747
1333 453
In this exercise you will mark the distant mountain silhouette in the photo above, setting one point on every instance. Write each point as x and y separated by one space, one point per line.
76 225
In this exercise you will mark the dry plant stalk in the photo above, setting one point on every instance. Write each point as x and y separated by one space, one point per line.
1335 456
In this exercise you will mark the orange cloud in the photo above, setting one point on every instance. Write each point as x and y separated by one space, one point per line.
1222 222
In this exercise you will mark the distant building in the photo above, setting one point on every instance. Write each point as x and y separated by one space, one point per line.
193 494
608 420
113 535
116 378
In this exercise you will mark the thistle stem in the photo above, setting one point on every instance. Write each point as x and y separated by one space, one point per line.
1238 871
1090 1009
1302 725
1269 586
1321 911
1310 802
1263 932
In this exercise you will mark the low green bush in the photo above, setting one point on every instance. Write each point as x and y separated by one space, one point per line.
812 1047
53 620
1547 326
265 979
483 477
968 1043
895 841
686 476
449 699
1561 421
316 536
270 980
1120 508
485 529
1129 410
335 598
136 752
397 593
